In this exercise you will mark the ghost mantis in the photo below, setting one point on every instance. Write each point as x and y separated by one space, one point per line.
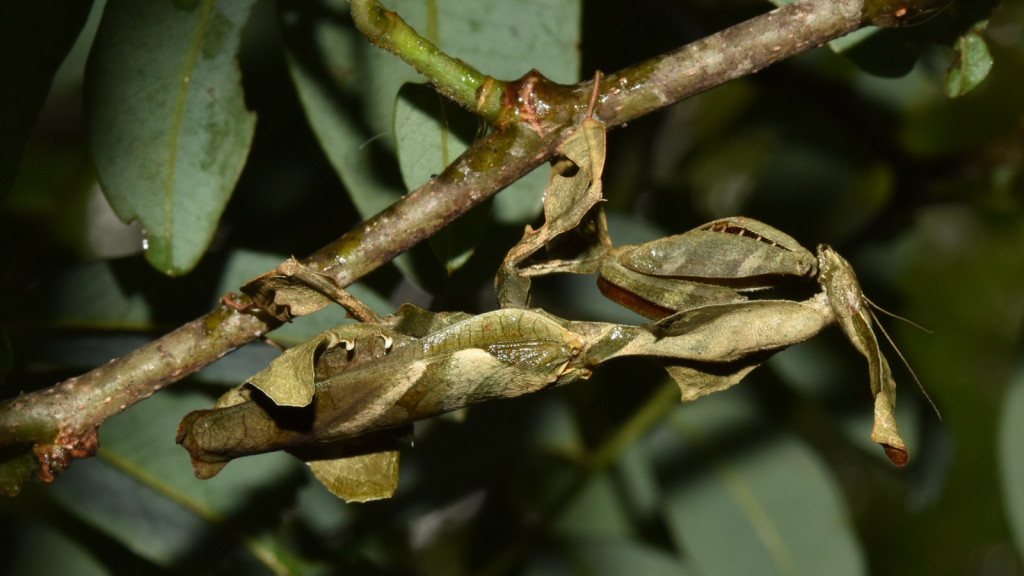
686 280
344 400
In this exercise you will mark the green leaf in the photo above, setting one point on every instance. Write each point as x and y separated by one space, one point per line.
596 511
348 87
638 481
972 64
168 126
968 292
40 550
141 490
1011 456
431 131
348 90
771 508
34 39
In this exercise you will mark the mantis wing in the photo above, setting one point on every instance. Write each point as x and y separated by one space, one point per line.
730 249
657 297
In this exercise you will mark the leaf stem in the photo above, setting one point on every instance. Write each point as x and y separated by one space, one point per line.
452 77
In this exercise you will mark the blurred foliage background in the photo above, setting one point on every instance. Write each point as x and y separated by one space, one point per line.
923 193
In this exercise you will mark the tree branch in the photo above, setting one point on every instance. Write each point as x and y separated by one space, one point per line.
532 117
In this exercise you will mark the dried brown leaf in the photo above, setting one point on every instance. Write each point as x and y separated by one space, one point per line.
567 199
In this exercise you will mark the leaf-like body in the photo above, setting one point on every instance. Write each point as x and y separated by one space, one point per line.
728 332
730 248
294 289
499 354
708 265
290 378
696 380
359 478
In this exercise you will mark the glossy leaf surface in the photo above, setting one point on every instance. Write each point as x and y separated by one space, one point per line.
168 126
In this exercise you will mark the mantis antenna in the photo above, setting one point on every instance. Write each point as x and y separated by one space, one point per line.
900 354
884 311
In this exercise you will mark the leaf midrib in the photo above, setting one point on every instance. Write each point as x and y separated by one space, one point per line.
177 118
